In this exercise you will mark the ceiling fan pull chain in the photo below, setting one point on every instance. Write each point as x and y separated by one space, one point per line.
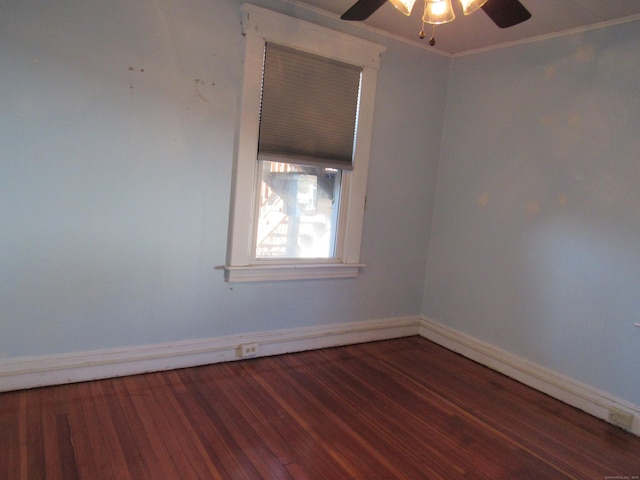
422 35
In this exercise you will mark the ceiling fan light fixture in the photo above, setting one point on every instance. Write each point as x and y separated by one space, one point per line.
470 6
504 13
405 6
438 12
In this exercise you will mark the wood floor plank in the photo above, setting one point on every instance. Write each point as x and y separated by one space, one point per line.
210 383
97 456
65 464
396 409
178 441
51 451
10 434
79 431
308 414
115 432
35 445
473 390
216 440
438 416
377 444
435 417
66 452
380 396
168 387
349 436
515 410
286 438
136 393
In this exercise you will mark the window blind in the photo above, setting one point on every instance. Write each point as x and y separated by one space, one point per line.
309 108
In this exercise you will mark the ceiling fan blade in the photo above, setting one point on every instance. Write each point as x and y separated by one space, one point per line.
506 13
362 9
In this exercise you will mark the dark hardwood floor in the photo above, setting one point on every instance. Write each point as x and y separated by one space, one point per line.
396 409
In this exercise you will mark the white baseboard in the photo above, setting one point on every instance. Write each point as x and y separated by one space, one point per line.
40 371
30 372
565 389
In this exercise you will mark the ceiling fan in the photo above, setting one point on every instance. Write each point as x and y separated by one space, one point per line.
504 13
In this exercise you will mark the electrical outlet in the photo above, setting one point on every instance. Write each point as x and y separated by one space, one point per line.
248 350
620 418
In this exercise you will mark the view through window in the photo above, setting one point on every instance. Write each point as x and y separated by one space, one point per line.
298 211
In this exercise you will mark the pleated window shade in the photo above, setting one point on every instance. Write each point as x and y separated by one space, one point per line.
309 108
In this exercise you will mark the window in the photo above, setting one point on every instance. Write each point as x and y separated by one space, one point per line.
306 138
302 152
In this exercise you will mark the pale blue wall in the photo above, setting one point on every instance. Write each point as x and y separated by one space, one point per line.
535 245
115 177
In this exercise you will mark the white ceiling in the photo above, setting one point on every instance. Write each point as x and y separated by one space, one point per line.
477 31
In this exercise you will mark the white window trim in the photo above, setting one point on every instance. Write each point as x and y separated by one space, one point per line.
259 26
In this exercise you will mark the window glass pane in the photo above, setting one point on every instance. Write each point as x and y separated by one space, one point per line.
297 211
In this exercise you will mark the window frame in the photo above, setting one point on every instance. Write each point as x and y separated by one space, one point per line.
259 26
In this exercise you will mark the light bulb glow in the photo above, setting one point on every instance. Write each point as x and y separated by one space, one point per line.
470 6
405 6
436 13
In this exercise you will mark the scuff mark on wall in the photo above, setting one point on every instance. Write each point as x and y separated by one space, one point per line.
199 82
131 68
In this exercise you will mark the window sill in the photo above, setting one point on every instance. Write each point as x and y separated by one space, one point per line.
264 273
